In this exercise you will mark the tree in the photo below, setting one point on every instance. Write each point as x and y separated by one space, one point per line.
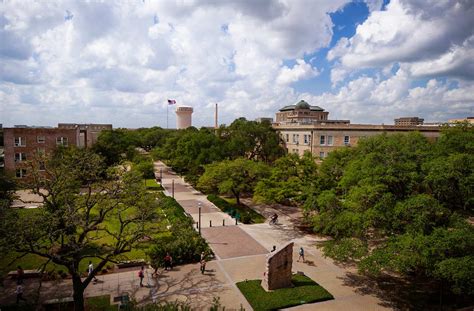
113 145
251 140
7 188
399 203
234 177
291 180
84 215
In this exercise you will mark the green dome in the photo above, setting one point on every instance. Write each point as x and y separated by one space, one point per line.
302 105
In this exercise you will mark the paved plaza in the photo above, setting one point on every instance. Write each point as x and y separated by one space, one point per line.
240 255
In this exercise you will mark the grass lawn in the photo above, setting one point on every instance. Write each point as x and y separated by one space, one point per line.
99 303
304 291
247 215
151 184
155 229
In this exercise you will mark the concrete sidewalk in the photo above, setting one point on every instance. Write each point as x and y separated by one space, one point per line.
246 259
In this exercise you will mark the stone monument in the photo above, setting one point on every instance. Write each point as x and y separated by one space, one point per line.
278 270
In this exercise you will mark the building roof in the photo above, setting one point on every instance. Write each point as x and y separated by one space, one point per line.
301 105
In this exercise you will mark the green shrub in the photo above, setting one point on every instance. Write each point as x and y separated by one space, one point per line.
247 215
184 244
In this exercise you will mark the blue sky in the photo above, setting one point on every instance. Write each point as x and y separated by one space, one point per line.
118 62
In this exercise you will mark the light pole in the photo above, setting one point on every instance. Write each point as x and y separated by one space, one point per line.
199 207
172 188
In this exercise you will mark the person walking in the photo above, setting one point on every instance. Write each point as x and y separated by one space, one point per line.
301 254
203 266
19 293
141 275
90 269
20 275
168 261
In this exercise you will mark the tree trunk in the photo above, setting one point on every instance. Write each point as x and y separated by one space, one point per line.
78 294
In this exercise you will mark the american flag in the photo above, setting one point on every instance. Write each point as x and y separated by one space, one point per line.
171 102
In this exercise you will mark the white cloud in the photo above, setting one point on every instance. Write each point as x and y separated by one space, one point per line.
119 61
63 56
433 34
368 100
300 71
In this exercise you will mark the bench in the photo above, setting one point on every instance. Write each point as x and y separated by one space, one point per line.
26 274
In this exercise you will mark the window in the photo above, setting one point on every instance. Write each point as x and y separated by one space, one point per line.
329 140
321 154
322 140
40 151
21 172
295 151
296 138
20 142
40 139
41 166
346 140
20 156
306 139
287 137
61 141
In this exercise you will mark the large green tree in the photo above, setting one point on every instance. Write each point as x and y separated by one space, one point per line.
400 203
235 177
292 178
75 222
252 140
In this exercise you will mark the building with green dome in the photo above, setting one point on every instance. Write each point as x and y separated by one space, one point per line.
301 112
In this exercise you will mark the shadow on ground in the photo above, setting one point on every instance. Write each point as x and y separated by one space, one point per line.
406 293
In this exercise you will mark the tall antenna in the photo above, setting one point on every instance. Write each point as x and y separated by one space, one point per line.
216 123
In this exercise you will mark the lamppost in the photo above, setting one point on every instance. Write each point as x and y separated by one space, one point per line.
199 222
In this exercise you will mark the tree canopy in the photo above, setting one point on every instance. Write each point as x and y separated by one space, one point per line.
235 177
400 203
81 201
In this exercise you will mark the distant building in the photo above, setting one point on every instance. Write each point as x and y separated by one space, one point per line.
184 117
260 120
318 135
467 119
301 112
409 121
26 145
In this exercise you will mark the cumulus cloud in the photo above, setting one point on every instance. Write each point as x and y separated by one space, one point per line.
95 55
425 34
371 100
300 71
119 61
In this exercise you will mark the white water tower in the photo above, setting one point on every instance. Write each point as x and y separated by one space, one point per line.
184 117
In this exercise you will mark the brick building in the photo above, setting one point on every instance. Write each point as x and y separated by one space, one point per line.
301 112
323 136
87 133
23 145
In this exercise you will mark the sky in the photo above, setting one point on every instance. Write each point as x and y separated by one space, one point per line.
120 61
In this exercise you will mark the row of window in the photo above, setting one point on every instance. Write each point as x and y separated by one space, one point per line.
21 141
21 156
323 139
22 172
